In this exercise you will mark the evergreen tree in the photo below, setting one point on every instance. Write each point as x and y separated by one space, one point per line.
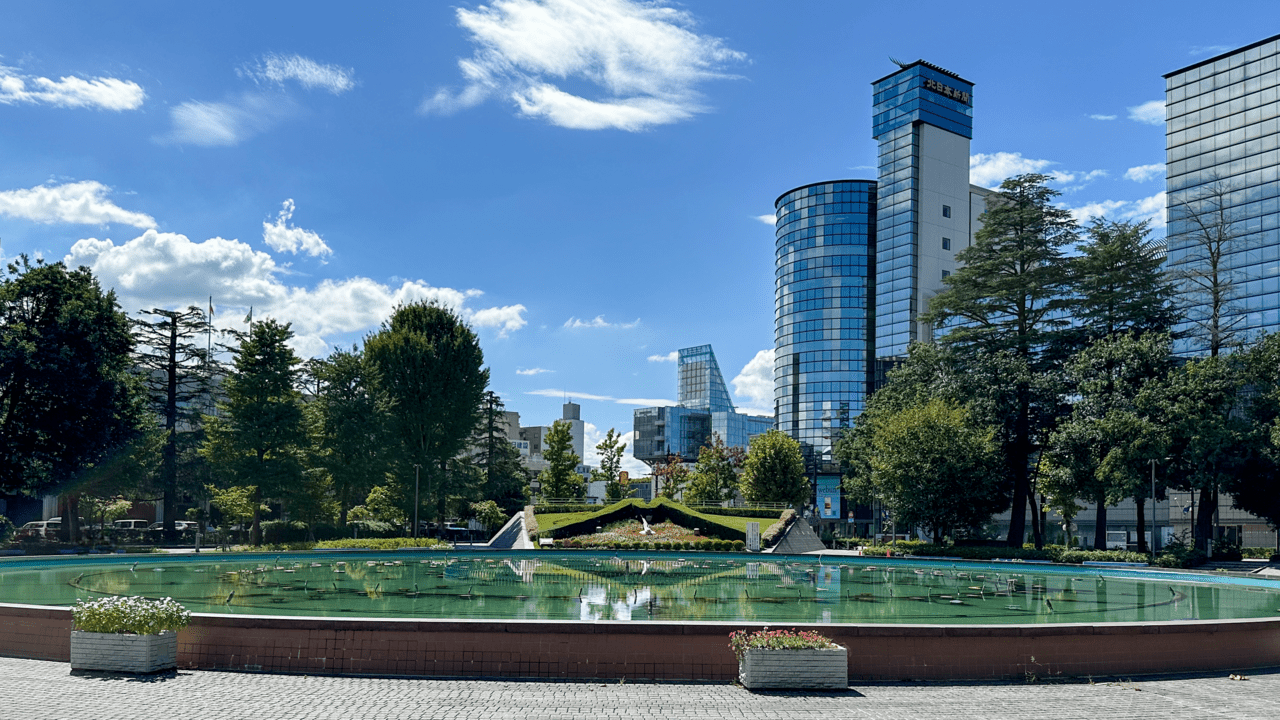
715 475
258 437
1120 283
430 366
560 480
773 470
1010 295
611 449
506 479
177 373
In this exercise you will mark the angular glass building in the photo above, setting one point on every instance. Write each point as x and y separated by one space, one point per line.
703 407
1222 125
824 310
923 122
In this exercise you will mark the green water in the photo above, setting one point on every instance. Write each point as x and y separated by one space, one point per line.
643 587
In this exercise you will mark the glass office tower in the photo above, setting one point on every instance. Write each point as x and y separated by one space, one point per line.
1223 158
923 122
823 314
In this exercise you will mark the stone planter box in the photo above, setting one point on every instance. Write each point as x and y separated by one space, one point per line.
114 652
767 669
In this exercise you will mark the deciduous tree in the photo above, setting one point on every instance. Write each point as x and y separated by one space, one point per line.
773 470
560 479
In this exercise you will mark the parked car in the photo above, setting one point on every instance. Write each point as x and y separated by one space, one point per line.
179 525
130 524
39 530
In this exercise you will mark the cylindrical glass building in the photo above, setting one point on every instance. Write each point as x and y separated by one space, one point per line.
824 318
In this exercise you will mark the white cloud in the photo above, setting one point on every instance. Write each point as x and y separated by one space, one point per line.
82 202
574 323
532 371
991 169
771 219
643 58
169 270
309 73
592 436
1143 173
1210 49
755 384
1150 209
283 238
669 357
1102 117
70 92
642 402
1151 113
214 124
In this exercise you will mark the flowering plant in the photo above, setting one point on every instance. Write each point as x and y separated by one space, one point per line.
742 641
134 615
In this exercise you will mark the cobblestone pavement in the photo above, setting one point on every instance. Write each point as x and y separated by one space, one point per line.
34 690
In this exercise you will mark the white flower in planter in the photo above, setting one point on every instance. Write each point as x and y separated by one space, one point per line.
126 634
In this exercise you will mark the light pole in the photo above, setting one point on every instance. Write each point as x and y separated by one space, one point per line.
1153 512
416 467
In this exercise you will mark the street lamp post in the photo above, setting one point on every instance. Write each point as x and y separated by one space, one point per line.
416 468
1153 512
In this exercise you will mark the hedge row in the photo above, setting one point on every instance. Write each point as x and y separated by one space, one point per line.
706 545
382 544
739 512
561 509
1053 553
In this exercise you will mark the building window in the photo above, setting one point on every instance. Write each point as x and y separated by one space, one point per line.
946 243
946 211
946 274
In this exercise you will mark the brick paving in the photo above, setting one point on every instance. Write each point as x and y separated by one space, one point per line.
37 690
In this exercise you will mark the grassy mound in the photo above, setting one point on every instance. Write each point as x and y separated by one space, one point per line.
563 525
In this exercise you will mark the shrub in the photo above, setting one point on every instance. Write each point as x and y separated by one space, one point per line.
282 531
1177 554
372 529
6 528
1249 552
774 531
742 641
132 615
382 543
1226 550
740 512
739 545
557 509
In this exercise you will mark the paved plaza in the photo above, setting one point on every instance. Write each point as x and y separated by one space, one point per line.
36 690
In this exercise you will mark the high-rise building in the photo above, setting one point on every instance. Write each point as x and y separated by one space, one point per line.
1222 125
702 407
926 209
823 313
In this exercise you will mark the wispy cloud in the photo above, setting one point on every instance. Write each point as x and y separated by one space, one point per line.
574 323
1151 113
641 402
532 371
1143 173
644 59
214 124
669 357
771 219
305 71
1102 117
82 202
282 237
1151 209
1210 50
102 93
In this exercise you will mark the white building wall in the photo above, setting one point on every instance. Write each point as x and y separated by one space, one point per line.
944 181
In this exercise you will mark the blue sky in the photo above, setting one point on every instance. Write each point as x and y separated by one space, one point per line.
584 181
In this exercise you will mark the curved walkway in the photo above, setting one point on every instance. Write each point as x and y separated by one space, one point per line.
37 690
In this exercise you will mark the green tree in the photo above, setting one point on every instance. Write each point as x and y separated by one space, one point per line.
177 372
611 449
68 402
430 366
350 427
488 514
1120 283
1010 295
933 468
237 504
560 480
506 479
715 475
773 470
672 477
258 437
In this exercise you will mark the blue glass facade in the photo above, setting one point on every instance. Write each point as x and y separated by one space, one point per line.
917 94
703 407
1223 164
823 312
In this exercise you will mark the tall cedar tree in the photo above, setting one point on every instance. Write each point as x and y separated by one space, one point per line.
560 479
774 470
349 421
258 436
1204 228
611 448
430 366
67 400
506 479
1010 294
174 365
1120 283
